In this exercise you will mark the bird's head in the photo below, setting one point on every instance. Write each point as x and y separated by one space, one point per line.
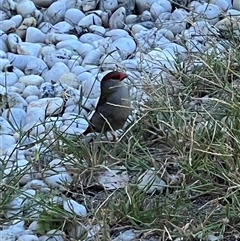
114 75
111 81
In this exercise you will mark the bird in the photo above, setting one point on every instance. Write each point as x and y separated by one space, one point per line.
114 105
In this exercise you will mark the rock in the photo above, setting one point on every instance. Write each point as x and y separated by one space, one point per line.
35 67
114 34
25 8
60 55
7 235
30 90
137 28
13 41
111 5
16 100
62 27
6 141
48 107
34 128
47 90
110 61
88 5
38 15
22 29
3 15
129 235
54 38
31 80
45 27
5 127
91 88
150 182
78 70
34 226
224 4
57 70
28 237
29 64
58 180
146 16
173 26
84 77
90 38
143 5
97 30
74 208
29 49
76 46
228 23
156 10
8 78
73 16
233 13
7 25
92 57
43 3
69 79
117 20
125 45
209 12
236 4
31 98
15 116
17 19
90 20
34 35
55 12
3 46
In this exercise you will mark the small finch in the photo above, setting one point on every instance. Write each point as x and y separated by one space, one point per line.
114 105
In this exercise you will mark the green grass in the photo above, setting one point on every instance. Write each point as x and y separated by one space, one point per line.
191 143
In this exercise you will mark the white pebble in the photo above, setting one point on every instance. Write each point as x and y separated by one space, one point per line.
7 235
57 70
55 12
90 20
73 16
25 8
236 4
31 98
58 180
90 38
6 25
28 237
74 208
92 57
17 19
125 45
117 19
49 105
88 5
209 12
31 80
13 41
34 35
34 128
5 127
15 116
29 49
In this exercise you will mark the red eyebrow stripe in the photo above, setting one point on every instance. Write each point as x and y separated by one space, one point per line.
115 75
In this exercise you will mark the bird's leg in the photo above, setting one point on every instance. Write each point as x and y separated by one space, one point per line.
114 136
